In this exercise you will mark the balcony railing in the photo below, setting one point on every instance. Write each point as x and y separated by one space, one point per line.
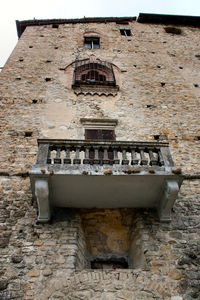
142 174
79 152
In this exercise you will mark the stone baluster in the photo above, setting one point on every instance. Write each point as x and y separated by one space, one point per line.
161 159
96 155
77 159
42 156
116 159
49 155
153 160
67 159
125 161
143 158
134 159
86 160
57 159
105 156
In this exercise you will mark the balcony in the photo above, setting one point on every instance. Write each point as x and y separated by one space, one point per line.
111 174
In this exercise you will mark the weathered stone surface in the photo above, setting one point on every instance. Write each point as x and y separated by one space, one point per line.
47 272
38 243
3 284
34 273
16 259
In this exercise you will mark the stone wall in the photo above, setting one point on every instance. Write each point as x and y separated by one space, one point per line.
158 98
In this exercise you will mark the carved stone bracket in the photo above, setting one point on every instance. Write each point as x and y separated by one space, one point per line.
96 90
42 196
170 193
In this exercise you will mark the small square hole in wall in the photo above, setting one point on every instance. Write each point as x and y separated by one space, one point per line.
125 32
28 133
156 137
55 26
173 30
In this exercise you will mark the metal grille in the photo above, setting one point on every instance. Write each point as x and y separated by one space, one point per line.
97 72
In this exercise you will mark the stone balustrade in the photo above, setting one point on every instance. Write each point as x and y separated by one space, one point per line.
84 152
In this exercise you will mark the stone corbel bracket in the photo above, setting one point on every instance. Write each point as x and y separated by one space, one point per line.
42 196
170 194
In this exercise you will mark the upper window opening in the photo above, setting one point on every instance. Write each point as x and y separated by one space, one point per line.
126 32
92 42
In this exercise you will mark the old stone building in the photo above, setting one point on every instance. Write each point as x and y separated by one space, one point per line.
99 176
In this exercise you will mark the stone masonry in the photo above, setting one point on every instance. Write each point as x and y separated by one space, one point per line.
158 99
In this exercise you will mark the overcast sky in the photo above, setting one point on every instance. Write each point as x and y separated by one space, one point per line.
12 10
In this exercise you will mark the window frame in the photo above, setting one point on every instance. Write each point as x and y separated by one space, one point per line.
125 32
99 124
92 41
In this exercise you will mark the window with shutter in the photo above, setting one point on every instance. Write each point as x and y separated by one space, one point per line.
100 135
92 42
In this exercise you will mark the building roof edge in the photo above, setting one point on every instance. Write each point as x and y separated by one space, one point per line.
143 18
169 19
21 25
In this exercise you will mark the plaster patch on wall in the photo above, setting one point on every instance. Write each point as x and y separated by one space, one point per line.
56 120
63 127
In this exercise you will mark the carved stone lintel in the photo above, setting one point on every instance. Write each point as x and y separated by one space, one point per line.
42 196
170 194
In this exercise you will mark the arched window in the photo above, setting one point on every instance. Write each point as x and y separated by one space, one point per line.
93 76
95 72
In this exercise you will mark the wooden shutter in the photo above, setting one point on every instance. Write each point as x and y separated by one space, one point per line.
108 135
100 134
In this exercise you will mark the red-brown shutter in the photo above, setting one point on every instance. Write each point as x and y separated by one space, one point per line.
100 134
108 135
